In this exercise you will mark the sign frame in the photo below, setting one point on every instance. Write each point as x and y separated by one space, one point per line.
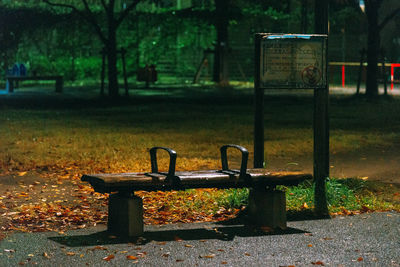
291 61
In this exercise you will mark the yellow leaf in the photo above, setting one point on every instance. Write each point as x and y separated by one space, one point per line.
304 206
22 173
46 255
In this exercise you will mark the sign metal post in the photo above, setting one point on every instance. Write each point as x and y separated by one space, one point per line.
293 61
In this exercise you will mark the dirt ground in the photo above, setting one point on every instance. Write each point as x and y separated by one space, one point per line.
377 164
30 189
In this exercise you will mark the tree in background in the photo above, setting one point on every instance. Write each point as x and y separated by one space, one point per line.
375 26
224 13
15 23
107 34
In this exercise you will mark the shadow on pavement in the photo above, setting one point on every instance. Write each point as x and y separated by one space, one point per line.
226 233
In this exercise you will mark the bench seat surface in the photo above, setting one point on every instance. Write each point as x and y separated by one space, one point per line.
107 183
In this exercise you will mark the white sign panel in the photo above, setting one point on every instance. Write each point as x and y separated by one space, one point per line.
292 61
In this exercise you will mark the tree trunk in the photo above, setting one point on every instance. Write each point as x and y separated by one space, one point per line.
304 16
373 47
221 73
112 61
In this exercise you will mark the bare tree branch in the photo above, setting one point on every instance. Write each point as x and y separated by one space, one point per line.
389 18
125 13
88 16
62 5
104 4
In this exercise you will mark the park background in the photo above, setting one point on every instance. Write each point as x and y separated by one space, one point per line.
175 36
49 140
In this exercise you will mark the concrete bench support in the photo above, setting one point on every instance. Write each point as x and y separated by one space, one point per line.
267 207
125 215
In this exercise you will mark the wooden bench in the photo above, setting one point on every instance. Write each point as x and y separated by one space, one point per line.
267 206
58 81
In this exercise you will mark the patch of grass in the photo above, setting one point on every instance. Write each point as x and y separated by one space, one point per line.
234 198
347 195
342 194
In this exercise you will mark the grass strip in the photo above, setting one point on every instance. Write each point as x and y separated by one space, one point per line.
345 196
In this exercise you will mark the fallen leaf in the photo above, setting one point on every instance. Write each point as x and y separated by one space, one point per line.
266 229
247 254
210 256
130 257
70 253
109 257
304 206
166 255
365 209
360 259
22 173
141 254
178 239
318 263
9 250
309 245
327 238
188 246
179 260
46 255
224 262
31 255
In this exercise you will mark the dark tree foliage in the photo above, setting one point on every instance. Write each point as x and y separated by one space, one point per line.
221 13
107 34
14 23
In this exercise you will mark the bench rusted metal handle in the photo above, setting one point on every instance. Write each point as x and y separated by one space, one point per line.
172 160
245 157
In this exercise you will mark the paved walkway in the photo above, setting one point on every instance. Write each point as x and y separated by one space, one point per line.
361 240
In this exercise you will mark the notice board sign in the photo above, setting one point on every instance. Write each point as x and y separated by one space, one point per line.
292 61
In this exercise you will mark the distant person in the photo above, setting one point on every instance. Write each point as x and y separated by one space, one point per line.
15 70
22 70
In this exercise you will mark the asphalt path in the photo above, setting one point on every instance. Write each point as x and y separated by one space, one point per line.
371 239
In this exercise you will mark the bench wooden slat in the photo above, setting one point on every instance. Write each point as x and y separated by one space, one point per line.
57 78
107 183
33 78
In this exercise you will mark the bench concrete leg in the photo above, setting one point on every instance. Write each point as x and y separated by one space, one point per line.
59 85
125 215
267 207
10 86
